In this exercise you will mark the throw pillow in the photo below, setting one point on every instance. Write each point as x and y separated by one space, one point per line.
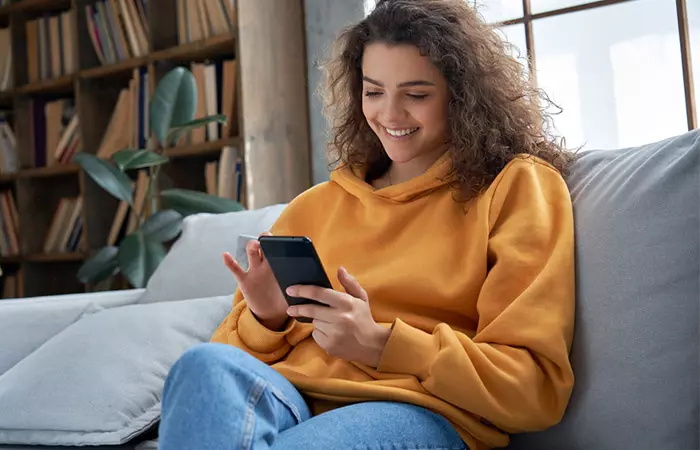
27 323
193 267
99 381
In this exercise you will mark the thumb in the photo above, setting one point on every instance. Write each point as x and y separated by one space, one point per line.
351 285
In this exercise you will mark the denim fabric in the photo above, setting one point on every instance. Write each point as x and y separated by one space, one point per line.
218 397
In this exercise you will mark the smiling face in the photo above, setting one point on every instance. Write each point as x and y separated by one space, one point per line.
404 100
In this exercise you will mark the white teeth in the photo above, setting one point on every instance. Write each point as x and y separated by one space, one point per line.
401 132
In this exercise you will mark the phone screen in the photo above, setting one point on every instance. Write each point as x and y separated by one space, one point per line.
294 260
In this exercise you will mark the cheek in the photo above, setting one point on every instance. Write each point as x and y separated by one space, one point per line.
432 117
367 109
370 111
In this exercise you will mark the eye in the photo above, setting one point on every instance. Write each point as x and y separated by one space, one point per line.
372 93
418 96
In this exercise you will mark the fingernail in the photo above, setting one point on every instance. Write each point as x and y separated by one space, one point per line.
291 311
290 290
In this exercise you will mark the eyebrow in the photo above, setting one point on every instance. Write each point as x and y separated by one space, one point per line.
404 84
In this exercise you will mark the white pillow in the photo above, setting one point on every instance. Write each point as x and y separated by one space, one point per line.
193 268
99 381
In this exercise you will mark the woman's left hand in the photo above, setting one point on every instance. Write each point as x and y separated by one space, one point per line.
345 328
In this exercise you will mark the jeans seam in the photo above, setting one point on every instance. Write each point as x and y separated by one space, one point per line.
248 427
281 397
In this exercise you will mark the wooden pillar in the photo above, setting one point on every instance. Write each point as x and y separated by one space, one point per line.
274 107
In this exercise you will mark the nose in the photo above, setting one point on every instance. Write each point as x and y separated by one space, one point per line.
393 111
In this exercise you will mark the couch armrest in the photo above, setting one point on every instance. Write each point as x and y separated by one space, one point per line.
25 324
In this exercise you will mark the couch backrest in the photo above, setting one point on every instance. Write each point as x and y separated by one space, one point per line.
636 353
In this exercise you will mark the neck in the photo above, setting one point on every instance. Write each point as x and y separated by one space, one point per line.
400 172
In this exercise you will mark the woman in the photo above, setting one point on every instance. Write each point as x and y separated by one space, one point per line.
448 229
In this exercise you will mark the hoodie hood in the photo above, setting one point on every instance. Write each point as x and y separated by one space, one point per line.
353 181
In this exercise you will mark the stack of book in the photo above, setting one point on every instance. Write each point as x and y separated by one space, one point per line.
8 148
128 126
201 19
216 92
224 178
118 29
6 77
50 50
9 225
54 131
66 226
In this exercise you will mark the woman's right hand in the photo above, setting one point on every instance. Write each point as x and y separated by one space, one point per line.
259 287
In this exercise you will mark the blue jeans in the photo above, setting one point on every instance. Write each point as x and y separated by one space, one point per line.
218 397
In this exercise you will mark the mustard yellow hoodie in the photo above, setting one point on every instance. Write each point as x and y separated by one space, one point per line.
480 298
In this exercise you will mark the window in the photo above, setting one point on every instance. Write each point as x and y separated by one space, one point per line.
616 69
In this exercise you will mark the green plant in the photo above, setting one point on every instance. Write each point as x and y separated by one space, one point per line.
138 254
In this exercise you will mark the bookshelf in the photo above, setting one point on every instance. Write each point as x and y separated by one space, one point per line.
268 120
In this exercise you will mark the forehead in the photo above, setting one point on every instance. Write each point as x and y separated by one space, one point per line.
393 64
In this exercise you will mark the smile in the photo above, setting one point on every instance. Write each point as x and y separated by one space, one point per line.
400 132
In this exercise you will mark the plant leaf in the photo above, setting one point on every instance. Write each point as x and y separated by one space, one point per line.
188 202
106 175
137 159
177 132
139 256
163 225
99 266
174 102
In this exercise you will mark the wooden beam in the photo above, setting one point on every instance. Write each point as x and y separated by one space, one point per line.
530 42
686 61
275 119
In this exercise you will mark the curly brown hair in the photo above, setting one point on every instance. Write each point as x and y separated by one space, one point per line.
494 111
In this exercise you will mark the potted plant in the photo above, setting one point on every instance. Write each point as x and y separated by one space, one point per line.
138 254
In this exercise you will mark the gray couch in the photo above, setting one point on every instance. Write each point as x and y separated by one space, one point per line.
88 369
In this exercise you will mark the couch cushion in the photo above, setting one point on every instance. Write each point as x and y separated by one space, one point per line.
193 267
99 381
27 323
635 351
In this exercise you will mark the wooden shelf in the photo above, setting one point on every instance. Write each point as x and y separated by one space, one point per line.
200 50
36 6
204 148
122 67
51 171
7 178
10 259
55 257
62 85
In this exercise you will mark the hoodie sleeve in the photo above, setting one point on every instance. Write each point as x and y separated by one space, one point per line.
515 371
243 330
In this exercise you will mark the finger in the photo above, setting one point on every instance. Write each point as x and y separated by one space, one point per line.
254 254
326 296
351 285
315 312
233 266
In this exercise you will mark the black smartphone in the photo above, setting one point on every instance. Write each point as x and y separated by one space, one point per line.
293 260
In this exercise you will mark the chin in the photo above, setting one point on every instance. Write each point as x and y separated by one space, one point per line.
400 155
